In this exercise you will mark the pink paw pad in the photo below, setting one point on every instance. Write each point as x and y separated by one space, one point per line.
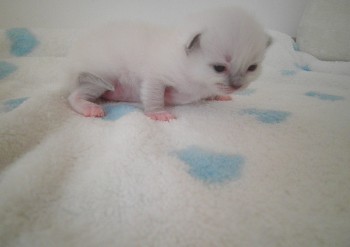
161 116
223 98
94 111
220 98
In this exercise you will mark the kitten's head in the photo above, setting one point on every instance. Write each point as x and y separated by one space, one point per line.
226 51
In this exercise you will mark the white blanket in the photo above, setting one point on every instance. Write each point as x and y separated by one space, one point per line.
270 168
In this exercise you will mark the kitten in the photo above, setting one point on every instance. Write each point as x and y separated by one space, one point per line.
211 55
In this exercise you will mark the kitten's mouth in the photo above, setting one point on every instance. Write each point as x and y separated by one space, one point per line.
228 89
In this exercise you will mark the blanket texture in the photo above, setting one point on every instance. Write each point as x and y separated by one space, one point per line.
270 168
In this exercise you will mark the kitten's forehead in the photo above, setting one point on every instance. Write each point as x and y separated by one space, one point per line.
231 36
232 43
236 52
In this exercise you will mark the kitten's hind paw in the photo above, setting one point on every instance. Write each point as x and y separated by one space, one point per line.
85 107
93 110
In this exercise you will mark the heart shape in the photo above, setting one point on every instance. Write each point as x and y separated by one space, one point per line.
114 111
267 116
211 167
22 40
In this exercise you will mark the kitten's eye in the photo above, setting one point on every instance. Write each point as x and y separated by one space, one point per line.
219 68
252 67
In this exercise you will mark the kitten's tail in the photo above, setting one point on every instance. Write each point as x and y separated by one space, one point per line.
94 79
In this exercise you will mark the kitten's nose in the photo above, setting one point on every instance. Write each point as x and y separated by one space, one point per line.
235 81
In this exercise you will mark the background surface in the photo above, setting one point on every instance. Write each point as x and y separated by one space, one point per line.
283 16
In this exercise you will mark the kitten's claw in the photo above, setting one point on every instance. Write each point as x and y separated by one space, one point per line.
161 116
220 98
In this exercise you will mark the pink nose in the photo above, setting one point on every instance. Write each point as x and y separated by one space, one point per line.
236 87
235 81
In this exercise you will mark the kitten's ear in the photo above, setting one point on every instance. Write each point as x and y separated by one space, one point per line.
193 44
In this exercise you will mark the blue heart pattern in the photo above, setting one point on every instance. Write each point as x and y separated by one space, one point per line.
211 167
22 40
323 96
115 111
11 104
267 116
293 72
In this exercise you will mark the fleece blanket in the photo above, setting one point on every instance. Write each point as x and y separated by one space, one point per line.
269 168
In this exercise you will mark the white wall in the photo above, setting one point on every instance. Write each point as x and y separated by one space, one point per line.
281 15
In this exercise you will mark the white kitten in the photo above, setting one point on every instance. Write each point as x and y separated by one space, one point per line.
212 54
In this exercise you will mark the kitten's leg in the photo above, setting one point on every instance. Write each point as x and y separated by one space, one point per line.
152 97
173 97
82 97
90 88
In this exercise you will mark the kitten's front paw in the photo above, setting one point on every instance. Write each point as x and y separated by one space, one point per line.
220 98
161 116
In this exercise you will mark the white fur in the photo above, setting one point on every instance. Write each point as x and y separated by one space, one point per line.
145 60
